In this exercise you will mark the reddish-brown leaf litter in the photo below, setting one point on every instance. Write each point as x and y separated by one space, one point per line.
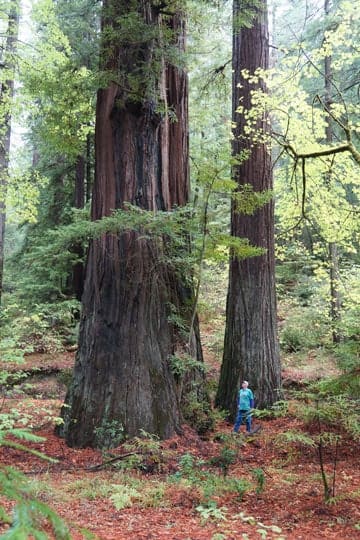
165 504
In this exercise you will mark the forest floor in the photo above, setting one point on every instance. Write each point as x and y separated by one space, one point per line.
176 489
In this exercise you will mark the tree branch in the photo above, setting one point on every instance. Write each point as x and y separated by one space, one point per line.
325 152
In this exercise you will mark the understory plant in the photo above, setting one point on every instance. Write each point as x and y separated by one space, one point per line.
328 419
30 516
41 328
200 474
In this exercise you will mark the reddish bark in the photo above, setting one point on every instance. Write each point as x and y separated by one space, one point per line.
122 370
251 347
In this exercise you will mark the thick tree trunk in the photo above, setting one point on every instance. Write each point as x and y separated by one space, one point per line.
122 372
6 98
251 349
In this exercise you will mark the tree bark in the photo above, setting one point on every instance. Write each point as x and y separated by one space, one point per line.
122 371
334 276
89 167
77 284
251 348
6 99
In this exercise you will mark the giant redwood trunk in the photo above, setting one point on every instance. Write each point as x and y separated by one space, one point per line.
122 374
251 349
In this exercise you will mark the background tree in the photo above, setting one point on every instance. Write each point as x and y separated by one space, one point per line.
251 345
318 190
317 184
335 302
7 78
59 89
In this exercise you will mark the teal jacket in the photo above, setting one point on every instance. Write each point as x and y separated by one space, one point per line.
245 399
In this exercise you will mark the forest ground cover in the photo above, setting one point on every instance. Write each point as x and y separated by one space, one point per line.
187 487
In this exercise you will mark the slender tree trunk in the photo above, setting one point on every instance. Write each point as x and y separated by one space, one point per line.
89 167
6 99
80 182
335 306
122 372
335 302
78 269
251 349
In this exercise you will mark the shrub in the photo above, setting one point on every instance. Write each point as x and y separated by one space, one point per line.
198 413
304 328
110 434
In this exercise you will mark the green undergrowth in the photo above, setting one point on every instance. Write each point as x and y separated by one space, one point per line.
148 474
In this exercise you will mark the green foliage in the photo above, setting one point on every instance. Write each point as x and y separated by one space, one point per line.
226 458
334 404
23 193
187 467
122 490
196 473
247 200
295 438
109 434
316 179
124 28
180 366
8 429
303 300
305 328
59 87
259 476
146 454
210 510
197 412
240 487
179 322
47 260
9 351
245 16
218 536
88 488
123 496
327 416
147 496
280 409
44 328
347 352
29 514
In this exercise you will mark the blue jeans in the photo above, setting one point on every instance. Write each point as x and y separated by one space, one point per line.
241 415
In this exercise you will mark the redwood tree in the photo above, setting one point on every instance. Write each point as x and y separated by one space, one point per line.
251 349
122 374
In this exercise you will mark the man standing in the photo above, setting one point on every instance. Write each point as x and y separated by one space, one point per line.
245 404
